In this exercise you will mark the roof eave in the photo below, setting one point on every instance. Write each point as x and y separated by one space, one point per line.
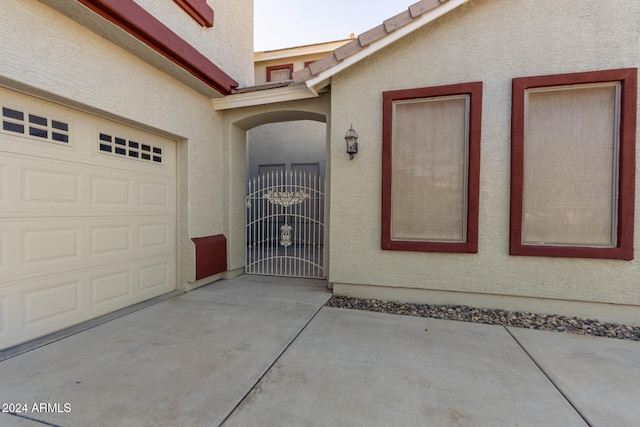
323 79
262 97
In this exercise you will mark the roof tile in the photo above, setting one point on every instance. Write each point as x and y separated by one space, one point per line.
301 75
397 21
420 8
372 35
323 64
347 50
414 12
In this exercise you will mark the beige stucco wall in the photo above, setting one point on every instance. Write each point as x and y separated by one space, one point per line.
491 41
302 141
47 54
226 44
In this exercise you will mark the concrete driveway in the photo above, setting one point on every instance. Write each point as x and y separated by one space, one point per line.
262 351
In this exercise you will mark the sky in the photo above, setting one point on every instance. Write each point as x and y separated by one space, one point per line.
288 23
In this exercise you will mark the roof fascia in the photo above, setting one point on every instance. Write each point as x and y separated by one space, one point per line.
137 22
262 97
323 79
289 52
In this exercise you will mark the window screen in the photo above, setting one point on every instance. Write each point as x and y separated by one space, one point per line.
429 169
570 165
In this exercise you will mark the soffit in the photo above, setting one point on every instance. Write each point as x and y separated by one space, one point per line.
180 61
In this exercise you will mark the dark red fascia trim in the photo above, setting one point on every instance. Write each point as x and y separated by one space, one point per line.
136 21
199 10
626 173
474 90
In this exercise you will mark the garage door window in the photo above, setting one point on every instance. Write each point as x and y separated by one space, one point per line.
128 148
37 126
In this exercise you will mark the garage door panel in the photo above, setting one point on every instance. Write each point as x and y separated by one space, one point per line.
46 304
111 287
109 191
62 188
35 307
87 216
154 276
50 245
47 246
155 236
153 194
50 186
112 240
132 196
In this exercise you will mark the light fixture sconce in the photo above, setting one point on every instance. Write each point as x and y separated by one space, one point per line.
352 142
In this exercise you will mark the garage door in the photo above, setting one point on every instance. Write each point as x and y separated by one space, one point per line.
87 217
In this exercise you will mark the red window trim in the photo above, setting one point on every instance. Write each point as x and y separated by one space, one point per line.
307 63
474 90
627 163
136 21
279 67
199 10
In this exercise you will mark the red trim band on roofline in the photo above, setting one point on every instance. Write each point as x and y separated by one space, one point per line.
136 21
199 10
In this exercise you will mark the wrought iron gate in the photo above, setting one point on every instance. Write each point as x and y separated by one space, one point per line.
285 225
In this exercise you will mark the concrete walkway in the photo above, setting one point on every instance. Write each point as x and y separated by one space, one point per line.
259 351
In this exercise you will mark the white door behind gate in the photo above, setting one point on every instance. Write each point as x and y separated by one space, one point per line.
285 224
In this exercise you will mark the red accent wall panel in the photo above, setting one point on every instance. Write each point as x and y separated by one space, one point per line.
211 255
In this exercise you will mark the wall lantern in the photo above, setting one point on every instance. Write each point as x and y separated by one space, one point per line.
352 142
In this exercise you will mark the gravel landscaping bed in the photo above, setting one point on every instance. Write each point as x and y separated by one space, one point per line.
518 319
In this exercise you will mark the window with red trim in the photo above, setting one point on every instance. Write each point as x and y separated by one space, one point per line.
573 164
279 73
431 168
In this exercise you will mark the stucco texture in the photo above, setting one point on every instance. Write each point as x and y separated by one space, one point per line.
492 41
50 55
228 43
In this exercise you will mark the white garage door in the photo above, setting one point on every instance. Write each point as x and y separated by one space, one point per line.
87 217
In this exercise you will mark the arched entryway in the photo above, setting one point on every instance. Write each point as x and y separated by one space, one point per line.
285 205
285 199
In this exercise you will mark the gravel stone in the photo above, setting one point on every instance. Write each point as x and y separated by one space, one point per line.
545 322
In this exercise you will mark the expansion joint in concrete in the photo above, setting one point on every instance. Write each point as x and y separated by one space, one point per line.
575 408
